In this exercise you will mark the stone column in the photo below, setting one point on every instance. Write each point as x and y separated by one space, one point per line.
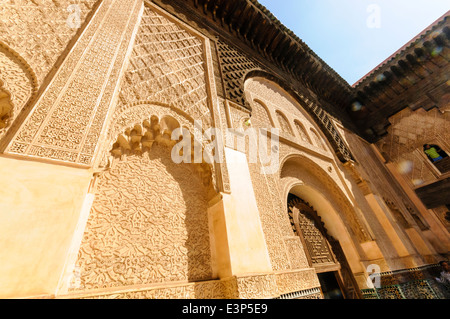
238 236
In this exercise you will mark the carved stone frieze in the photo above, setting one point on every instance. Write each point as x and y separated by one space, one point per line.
296 253
292 281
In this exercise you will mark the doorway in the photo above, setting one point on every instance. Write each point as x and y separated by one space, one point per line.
330 286
324 253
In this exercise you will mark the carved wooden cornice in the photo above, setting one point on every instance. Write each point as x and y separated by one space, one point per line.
419 67
415 76
251 23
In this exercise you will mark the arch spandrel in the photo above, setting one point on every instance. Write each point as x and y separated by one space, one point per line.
283 107
148 224
275 97
301 177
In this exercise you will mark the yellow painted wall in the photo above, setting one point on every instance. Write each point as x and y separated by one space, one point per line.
39 209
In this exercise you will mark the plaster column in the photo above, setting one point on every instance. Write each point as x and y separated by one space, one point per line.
238 237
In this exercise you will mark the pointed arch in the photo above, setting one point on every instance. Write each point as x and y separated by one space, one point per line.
304 136
261 115
284 123
307 105
317 139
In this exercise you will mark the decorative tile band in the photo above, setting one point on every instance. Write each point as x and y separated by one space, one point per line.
414 283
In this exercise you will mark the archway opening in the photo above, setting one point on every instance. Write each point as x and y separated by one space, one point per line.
323 251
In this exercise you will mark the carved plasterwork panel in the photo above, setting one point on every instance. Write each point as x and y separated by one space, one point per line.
40 30
302 132
296 281
216 289
148 224
67 120
403 145
167 66
281 105
288 285
269 204
257 287
295 251
140 114
274 220
284 124
317 140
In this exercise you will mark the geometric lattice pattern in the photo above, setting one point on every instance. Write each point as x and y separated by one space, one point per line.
302 220
167 66
235 66
260 116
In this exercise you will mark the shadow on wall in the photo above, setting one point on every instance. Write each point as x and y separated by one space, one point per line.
148 225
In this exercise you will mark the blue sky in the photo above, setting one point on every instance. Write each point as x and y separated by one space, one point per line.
354 36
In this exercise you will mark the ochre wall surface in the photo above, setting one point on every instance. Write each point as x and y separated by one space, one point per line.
39 211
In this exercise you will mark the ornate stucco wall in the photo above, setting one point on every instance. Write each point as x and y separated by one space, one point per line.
94 206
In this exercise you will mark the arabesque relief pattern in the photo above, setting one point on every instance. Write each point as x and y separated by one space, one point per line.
286 110
260 117
287 285
142 114
40 30
167 66
68 119
148 223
